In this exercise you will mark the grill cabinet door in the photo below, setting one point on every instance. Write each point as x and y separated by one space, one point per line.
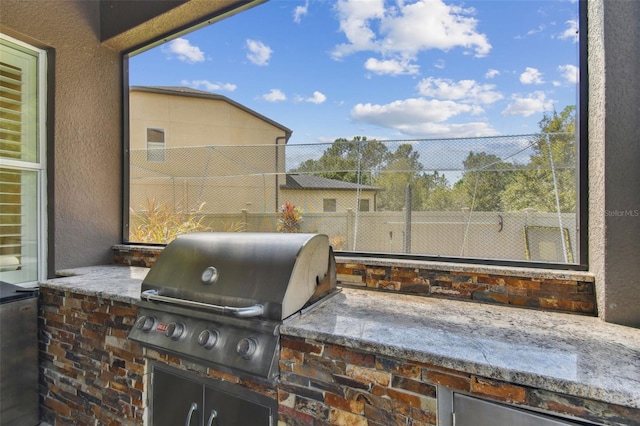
173 398
471 411
231 410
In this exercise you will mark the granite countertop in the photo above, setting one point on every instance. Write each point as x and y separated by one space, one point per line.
572 354
121 283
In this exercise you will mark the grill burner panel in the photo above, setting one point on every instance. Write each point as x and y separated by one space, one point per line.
210 341
219 298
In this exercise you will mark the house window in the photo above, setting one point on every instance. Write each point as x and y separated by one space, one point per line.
328 205
23 170
155 145
363 205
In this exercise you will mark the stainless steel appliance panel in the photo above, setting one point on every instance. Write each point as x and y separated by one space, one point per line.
477 412
181 399
219 298
279 271
176 401
458 409
19 405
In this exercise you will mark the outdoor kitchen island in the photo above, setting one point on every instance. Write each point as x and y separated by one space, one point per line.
362 357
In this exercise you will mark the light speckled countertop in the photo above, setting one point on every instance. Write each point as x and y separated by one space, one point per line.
121 283
572 354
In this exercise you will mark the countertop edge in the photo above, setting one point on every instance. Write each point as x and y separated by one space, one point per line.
570 388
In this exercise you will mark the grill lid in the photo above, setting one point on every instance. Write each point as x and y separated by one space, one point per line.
243 274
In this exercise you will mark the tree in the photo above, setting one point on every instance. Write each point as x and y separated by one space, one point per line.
403 168
439 195
535 186
483 181
344 158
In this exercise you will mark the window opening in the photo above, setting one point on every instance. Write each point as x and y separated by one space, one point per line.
464 148
23 170
155 145
329 205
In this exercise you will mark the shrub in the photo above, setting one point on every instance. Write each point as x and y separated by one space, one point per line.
161 223
290 220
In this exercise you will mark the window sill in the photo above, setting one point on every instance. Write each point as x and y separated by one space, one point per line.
546 289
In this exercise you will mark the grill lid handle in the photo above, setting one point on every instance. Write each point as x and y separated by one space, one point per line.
152 295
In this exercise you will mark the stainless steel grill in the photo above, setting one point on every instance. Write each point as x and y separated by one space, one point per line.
219 298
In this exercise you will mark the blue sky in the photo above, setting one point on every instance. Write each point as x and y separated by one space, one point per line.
383 69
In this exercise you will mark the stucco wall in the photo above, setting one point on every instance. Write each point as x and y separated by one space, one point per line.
86 147
311 201
227 156
614 157
192 121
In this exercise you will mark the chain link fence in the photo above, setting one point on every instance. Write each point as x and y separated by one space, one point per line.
508 197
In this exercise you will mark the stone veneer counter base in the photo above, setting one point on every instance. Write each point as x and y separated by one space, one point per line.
574 355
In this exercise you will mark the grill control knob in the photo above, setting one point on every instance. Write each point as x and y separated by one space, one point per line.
145 323
208 338
174 330
247 347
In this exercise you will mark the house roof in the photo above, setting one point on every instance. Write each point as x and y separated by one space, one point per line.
195 93
308 182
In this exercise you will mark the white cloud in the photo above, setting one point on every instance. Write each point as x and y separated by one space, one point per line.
571 32
274 95
431 24
419 117
441 130
209 86
183 50
569 73
533 103
440 64
466 91
354 19
408 112
491 73
407 28
535 31
531 76
317 98
300 11
391 67
259 53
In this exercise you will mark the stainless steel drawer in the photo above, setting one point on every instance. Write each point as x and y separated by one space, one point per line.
458 409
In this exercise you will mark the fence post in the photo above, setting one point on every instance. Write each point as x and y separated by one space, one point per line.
407 219
243 213
350 227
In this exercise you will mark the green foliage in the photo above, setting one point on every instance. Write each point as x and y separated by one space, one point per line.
341 160
440 196
161 223
534 186
290 219
488 182
403 168
483 181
